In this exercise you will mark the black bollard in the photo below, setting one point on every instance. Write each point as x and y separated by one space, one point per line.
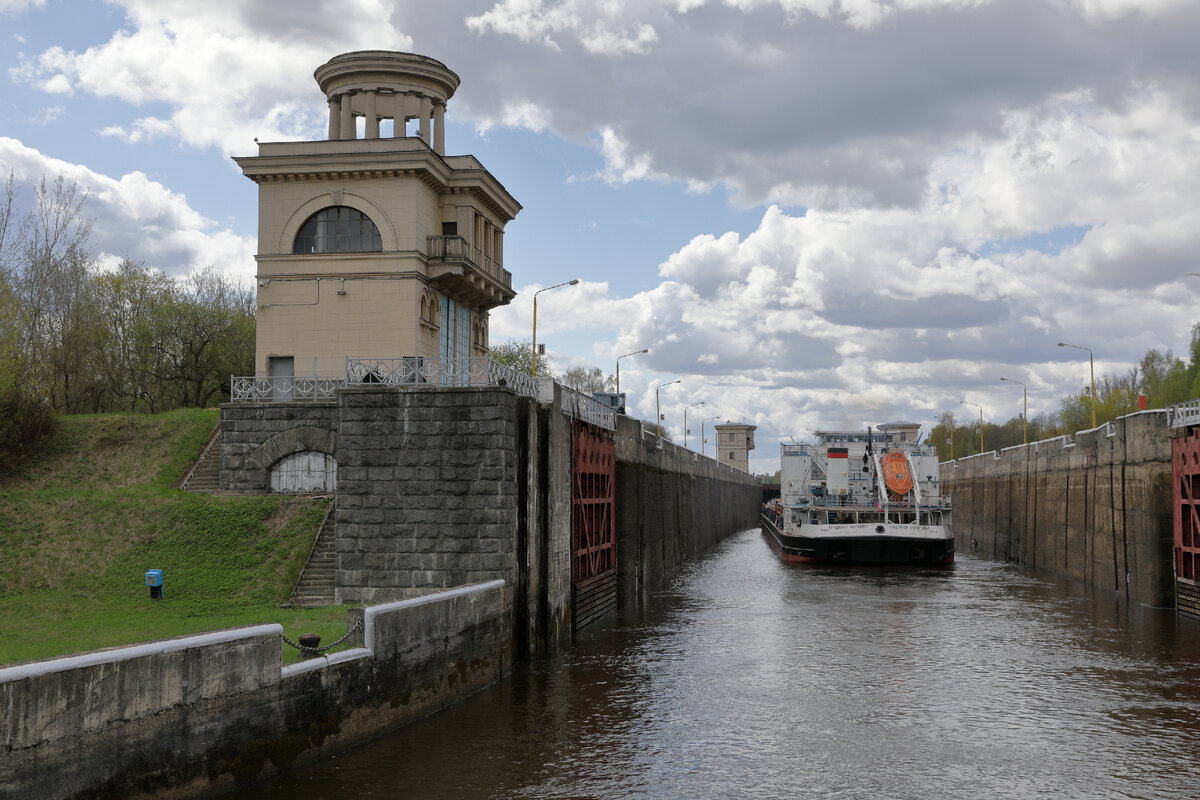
309 642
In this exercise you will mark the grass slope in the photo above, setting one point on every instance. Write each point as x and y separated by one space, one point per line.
80 526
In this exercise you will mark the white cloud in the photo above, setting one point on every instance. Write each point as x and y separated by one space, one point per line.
1108 10
842 316
56 84
959 183
138 218
620 166
599 27
17 6
48 115
229 70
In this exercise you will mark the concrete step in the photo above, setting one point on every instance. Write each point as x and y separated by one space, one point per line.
318 578
206 476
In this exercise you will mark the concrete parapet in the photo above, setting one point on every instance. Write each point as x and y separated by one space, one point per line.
198 716
54 700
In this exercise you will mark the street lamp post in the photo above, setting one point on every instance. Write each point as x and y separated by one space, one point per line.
627 355
658 405
702 440
685 429
968 402
950 438
572 282
1025 412
1092 368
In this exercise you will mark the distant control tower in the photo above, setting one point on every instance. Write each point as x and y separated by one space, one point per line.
734 442
375 243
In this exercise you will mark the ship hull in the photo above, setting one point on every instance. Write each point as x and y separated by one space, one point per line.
894 545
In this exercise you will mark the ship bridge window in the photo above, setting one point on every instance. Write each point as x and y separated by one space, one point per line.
338 229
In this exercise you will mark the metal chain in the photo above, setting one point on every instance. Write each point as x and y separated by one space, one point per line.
358 623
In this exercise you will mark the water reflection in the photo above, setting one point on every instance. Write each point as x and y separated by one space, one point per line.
749 677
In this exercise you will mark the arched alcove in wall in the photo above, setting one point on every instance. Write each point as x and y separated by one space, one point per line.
305 472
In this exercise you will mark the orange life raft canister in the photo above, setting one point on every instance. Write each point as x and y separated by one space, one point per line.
896 473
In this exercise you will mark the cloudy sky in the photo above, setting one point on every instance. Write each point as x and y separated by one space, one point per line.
817 213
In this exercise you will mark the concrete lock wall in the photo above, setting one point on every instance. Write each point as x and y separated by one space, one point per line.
1096 508
438 487
196 716
672 505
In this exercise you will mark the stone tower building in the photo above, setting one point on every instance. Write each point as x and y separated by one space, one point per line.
375 243
734 442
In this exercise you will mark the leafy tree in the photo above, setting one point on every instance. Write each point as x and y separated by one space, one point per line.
75 338
129 303
518 354
208 335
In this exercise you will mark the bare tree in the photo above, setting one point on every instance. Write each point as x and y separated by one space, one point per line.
588 381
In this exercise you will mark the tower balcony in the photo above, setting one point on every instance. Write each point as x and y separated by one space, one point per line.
467 272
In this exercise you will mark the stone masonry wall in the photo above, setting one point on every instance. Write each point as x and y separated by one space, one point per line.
1096 509
427 490
440 487
256 435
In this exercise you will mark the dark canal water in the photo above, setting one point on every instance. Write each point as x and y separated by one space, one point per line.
752 678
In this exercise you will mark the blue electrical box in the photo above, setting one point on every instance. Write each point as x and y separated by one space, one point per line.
154 580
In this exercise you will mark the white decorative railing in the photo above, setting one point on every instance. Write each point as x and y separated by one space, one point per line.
480 371
578 405
415 370
284 389
1181 415
418 371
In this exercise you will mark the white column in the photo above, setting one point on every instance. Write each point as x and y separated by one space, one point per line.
334 112
439 128
347 123
400 120
372 131
425 111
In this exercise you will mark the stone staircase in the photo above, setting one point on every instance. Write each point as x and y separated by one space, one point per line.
315 587
205 476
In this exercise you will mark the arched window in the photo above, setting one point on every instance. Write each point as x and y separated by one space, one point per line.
338 229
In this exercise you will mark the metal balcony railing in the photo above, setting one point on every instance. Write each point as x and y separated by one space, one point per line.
457 248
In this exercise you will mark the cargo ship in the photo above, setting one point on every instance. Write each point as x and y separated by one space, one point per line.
861 498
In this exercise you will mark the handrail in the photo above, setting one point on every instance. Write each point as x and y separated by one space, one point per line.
418 371
588 409
1183 415
457 248
283 389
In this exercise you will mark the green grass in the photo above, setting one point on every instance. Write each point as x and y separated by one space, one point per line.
81 524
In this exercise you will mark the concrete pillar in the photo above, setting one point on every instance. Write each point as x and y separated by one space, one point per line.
426 109
372 131
334 112
466 223
400 121
439 128
347 122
